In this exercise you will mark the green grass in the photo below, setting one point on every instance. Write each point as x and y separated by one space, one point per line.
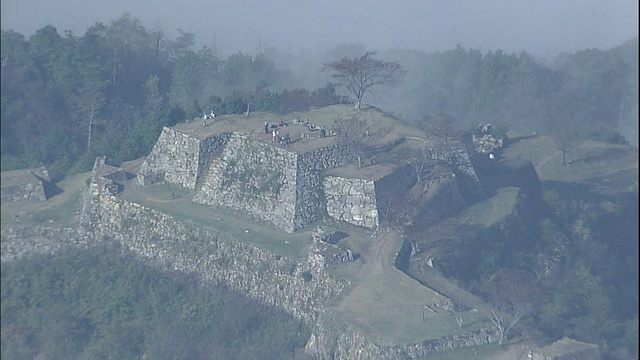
253 125
387 305
492 210
482 352
229 224
60 209
609 168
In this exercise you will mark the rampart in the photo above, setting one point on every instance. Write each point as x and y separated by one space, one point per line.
180 158
300 288
270 182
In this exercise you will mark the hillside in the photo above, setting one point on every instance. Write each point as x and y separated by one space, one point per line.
414 270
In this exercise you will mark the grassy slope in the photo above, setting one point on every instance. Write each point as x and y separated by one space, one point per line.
383 302
386 304
605 168
58 209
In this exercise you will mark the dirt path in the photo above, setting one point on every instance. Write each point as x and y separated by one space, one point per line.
380 252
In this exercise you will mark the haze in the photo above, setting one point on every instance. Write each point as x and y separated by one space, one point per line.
542 28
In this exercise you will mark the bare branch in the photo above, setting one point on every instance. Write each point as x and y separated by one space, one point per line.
358 76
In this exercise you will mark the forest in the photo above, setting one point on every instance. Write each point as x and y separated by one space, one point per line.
90 304
66 99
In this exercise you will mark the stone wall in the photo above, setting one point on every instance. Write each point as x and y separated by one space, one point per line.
269 182
333 338
310 196
301 289
24 185
48 238
30 191
392 186
456 155
179 158
351 200
253 177
567 349
444 195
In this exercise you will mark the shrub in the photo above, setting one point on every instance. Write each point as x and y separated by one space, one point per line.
603 134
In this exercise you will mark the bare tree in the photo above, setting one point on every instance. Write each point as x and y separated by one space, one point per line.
360 75
359 134
88 100
421 161
513 295
566 137
564 122
440 124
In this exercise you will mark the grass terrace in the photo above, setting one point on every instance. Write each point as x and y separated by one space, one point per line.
61 208
605 166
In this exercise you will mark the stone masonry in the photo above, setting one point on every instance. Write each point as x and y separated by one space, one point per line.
24 185
179 158
352 200
234 167
269 182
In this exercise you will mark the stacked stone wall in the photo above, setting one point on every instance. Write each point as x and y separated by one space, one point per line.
269 182
302 289
179 158
209 148
393 185
33 190
299 288
333 338
253 177
457 156
310 195
24 185
352 200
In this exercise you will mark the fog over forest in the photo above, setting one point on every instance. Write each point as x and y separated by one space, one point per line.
539 97
542 28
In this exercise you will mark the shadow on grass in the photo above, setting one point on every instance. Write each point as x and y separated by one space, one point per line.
519 138
51 189
600 155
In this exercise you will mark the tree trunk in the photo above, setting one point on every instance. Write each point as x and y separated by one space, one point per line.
357 107
115 67
91 116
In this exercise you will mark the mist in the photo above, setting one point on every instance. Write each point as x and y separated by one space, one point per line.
542 28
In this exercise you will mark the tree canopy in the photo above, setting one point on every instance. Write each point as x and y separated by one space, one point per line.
360 75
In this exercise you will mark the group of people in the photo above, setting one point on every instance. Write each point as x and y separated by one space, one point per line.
206 117
285 140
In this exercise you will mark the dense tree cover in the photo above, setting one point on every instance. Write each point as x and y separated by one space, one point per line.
596 88
564 266
95 304
67 98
